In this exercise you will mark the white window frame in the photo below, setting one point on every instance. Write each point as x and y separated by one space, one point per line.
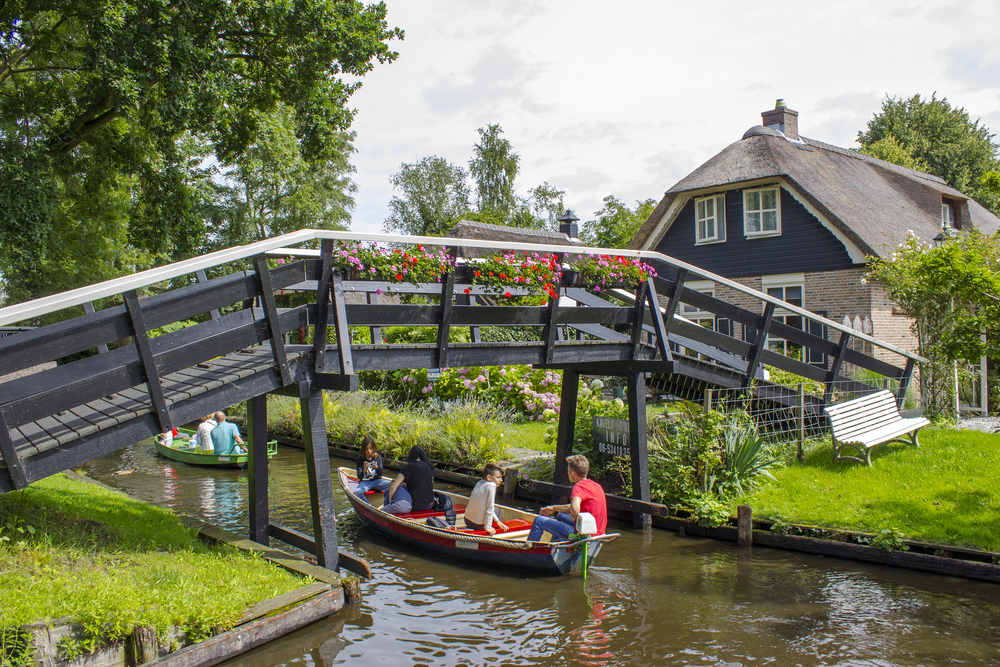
784 282
777 212
718 220
947 215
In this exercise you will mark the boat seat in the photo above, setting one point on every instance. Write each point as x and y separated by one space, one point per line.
513 525
423 514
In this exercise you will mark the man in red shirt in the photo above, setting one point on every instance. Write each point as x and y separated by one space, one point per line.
586 496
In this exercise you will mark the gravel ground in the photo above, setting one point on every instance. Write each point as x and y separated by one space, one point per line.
985 424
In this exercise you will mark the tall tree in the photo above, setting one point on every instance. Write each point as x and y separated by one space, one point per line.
933 133
97 95
616 224
270 189
494 168
434 195
545 204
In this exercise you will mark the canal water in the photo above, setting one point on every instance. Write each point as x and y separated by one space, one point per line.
654 598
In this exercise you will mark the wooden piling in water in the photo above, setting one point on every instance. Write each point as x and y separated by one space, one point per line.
744 526
352 590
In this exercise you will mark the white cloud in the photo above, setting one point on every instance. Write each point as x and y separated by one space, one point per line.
627 102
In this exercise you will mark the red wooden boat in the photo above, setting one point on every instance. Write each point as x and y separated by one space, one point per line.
509 549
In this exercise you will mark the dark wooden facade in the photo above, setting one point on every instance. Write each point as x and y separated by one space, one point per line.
804 244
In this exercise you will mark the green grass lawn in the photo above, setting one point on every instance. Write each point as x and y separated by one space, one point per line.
73 549
945 492
529 435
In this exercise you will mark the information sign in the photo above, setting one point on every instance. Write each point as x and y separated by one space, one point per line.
610 437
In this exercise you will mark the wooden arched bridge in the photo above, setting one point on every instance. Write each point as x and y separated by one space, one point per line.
118 383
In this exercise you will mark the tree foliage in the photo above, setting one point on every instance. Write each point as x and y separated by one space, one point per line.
941 138
952 292
108 109
616 224
270 189
494 169
434 195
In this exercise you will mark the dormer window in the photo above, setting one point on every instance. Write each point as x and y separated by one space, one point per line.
947 214
762 212
710 219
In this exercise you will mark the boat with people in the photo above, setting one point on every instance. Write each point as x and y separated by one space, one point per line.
510 548
184 449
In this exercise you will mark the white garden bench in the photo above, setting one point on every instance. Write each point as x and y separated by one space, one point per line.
867 422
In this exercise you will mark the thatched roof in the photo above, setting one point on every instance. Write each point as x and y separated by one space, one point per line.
468 229
873 202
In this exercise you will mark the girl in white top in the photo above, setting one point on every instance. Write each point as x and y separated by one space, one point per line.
204 435
481 512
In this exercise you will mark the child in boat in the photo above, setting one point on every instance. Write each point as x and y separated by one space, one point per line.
203 437
369 465
480 513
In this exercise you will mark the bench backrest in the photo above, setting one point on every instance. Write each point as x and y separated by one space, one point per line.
863 414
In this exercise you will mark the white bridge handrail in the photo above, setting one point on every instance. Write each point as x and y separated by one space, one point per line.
56 302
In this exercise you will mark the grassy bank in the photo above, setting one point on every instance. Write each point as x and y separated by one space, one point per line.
945 492
111 563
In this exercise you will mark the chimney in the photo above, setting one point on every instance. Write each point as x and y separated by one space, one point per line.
783 119
567 224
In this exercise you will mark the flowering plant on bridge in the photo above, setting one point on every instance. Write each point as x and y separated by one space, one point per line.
606 271
537 274
394 265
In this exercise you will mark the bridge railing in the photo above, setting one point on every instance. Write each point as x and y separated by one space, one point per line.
130 365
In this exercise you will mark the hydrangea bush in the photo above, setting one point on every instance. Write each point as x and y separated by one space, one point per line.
527 391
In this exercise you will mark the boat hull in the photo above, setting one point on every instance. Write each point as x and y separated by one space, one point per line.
208 459
535 557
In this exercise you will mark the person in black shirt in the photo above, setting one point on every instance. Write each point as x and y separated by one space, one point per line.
413 488
369 465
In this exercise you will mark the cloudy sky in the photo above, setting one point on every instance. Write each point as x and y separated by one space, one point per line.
625 98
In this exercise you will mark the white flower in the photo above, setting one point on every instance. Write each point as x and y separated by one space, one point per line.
864 281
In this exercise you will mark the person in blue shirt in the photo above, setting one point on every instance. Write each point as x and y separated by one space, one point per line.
226 437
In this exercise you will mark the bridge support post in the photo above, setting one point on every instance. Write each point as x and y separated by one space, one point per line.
257 469
636 389
320 478
567 422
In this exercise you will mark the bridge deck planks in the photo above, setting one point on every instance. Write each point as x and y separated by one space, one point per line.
130 404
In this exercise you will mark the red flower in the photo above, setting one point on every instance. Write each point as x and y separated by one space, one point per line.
479 274
420 248
491 273
399 276
507 294
468 290
502 275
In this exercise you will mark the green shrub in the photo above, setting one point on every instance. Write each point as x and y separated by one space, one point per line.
706 509
467 432
284 416
697 453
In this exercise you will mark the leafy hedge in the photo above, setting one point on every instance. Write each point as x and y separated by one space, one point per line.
467 432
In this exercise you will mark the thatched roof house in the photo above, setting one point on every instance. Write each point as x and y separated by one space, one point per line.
799 218
873 203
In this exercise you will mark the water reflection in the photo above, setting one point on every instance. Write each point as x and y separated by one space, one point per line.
655 599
